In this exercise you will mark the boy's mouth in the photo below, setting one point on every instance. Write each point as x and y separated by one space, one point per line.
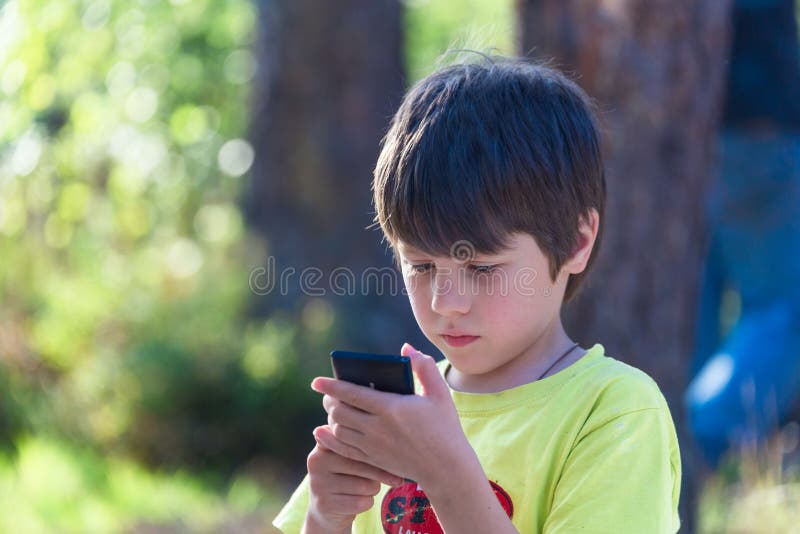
459 341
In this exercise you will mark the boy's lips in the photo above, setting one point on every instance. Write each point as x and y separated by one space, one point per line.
455 333
459 340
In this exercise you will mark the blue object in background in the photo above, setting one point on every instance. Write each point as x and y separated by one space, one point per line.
746 383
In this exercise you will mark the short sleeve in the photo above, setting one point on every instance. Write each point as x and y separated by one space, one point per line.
621 476
293 514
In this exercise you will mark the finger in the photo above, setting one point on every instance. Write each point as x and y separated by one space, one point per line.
377 474
348 436
342 504
325 463
345 466
329 403
349 504
354 485
427 373
368 400
344 414
328 440
333 424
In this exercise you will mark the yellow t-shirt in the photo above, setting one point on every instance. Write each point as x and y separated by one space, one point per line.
589 449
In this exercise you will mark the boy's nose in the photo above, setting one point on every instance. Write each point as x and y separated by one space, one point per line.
451 294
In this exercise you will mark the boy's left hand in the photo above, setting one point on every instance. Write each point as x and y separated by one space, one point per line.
414 436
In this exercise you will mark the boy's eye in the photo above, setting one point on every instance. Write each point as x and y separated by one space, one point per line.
483 269
421 268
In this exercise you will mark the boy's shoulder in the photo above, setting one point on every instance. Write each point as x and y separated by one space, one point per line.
600 383
612 379
607 388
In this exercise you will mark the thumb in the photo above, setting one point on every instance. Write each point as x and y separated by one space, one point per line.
428 375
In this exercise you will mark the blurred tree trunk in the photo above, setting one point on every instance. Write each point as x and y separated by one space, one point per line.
330 77
656 69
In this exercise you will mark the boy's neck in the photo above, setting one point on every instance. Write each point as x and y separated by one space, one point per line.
525 368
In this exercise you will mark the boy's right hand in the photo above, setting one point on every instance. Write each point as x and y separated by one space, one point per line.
340 489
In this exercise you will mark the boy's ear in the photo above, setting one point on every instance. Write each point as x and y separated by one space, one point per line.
587 234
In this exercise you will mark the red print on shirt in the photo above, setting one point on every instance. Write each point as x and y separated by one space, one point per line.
406 510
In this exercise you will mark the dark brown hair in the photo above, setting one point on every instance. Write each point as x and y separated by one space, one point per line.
478 151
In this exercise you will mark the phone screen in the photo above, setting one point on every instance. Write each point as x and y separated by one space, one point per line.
384 372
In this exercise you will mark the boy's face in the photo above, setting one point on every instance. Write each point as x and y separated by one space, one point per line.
499 306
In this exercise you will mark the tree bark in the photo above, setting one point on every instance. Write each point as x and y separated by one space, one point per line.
656 70
331 76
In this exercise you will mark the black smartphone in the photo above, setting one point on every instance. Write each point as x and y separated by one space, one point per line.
384 372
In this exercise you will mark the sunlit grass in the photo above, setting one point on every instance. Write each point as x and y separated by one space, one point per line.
755 491
49 486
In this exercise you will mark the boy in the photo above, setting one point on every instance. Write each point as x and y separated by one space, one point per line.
491 192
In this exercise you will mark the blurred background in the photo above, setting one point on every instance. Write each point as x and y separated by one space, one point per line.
182 183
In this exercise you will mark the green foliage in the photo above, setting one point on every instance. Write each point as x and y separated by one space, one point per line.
124 280
125 258
433 27
52 487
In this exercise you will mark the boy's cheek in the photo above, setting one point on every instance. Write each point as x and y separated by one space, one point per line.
413 284
419 302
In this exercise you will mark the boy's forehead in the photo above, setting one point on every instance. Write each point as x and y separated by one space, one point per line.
405 247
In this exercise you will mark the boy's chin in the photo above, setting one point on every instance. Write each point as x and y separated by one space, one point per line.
472 368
